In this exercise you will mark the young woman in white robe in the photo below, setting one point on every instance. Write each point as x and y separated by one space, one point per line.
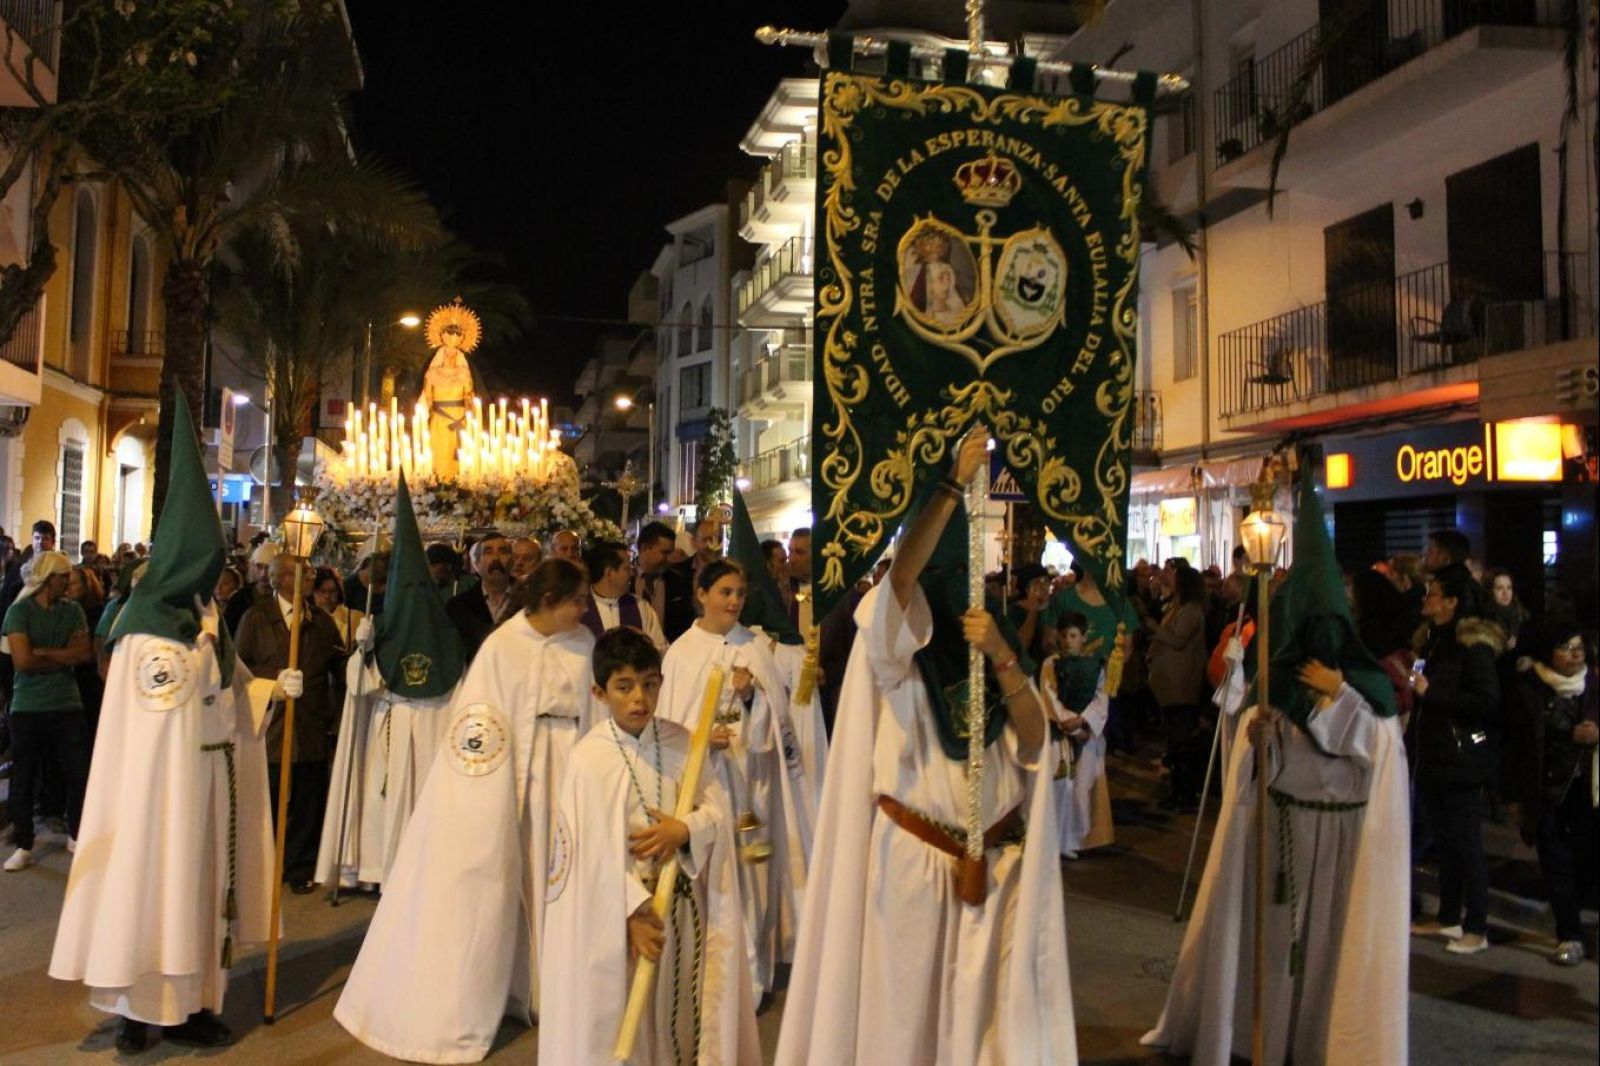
453 946
398 739
747 751
621 786
892 966
1337 943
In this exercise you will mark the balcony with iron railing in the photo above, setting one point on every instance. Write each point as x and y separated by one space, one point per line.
1337 59
1413 331
30 30
1146 424
20 381
784 193
779 287
139 344
778 384
775 466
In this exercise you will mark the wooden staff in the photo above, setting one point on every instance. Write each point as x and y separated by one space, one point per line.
1258 1029
284 766
644 974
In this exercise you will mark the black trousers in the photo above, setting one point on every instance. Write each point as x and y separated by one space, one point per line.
1455 815
1187 749
59 739
308 801
1567 857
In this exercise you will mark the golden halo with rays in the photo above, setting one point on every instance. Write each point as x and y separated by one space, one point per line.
458 315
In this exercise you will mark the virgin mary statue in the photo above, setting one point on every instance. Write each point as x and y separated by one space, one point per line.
453 331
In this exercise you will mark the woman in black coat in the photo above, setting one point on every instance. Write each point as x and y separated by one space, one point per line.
1551 740
1458 699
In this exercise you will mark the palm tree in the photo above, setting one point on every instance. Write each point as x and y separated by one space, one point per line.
267 153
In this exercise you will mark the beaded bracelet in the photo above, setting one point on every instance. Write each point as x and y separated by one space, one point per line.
1020 686
1004 665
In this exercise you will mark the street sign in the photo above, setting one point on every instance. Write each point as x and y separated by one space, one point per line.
1003 487
227 418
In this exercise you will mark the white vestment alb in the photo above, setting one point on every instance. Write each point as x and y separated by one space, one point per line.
1087 765
891 966
1350 902
397 739
595 883
759 771
144 919
453 945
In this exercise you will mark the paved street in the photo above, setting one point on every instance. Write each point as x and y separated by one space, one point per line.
1508 1006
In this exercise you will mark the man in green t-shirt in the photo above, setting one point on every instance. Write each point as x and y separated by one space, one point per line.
47 637
1085 597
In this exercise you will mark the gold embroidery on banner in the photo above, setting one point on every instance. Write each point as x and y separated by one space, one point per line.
926 437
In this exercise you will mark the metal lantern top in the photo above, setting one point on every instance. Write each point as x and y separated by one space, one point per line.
1263 530
301 528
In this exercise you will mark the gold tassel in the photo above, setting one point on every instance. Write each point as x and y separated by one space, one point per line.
230 906
1114 662
808 672
227 952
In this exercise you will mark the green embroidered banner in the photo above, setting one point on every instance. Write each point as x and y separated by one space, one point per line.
977 258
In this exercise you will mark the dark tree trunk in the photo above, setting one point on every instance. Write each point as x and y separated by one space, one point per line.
186 294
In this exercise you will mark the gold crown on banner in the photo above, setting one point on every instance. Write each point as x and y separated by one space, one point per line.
988 182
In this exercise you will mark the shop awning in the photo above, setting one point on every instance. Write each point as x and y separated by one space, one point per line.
1214 474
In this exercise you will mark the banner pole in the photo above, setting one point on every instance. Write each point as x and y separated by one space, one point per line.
285 765
1258 1034
977 505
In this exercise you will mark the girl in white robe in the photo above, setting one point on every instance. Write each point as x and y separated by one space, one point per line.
747 751
622 782
1337 939
454 943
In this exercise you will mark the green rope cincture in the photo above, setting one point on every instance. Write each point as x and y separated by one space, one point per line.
388 722
1286 890
683 889
230 900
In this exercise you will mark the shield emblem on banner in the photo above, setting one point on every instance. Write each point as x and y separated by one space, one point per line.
1030 284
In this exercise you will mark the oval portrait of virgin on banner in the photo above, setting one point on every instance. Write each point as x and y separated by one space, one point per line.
938 276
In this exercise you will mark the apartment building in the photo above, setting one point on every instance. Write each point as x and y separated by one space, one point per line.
1421 262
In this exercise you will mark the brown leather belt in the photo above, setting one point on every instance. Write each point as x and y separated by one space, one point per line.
972 875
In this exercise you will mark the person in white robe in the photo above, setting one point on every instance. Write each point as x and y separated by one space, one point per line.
453 946
1338 830
397 699
614 827
896 963
748 754
1074 687
174 862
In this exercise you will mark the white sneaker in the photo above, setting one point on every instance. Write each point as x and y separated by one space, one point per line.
72 845
1468 944
1452 932
20 859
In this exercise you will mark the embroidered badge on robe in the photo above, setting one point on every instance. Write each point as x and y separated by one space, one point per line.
479 739
165 677
561 851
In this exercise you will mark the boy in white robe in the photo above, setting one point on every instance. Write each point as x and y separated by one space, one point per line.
174 859
1337 929
614 828
896 962
1075 690
747 750
396 707
453 946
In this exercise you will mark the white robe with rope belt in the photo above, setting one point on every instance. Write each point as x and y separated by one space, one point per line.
453 946
1075 792
143 922
891 966
397 739
595 883
1352 901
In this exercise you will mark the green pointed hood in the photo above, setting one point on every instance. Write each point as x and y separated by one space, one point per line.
187 554
418 648
1310 619
763 604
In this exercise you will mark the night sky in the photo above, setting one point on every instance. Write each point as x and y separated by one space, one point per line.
561 138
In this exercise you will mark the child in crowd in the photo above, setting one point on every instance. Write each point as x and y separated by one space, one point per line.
1076 686
614 829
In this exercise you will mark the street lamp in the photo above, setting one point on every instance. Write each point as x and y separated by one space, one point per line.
301 528
1262 534
407 320
627 402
